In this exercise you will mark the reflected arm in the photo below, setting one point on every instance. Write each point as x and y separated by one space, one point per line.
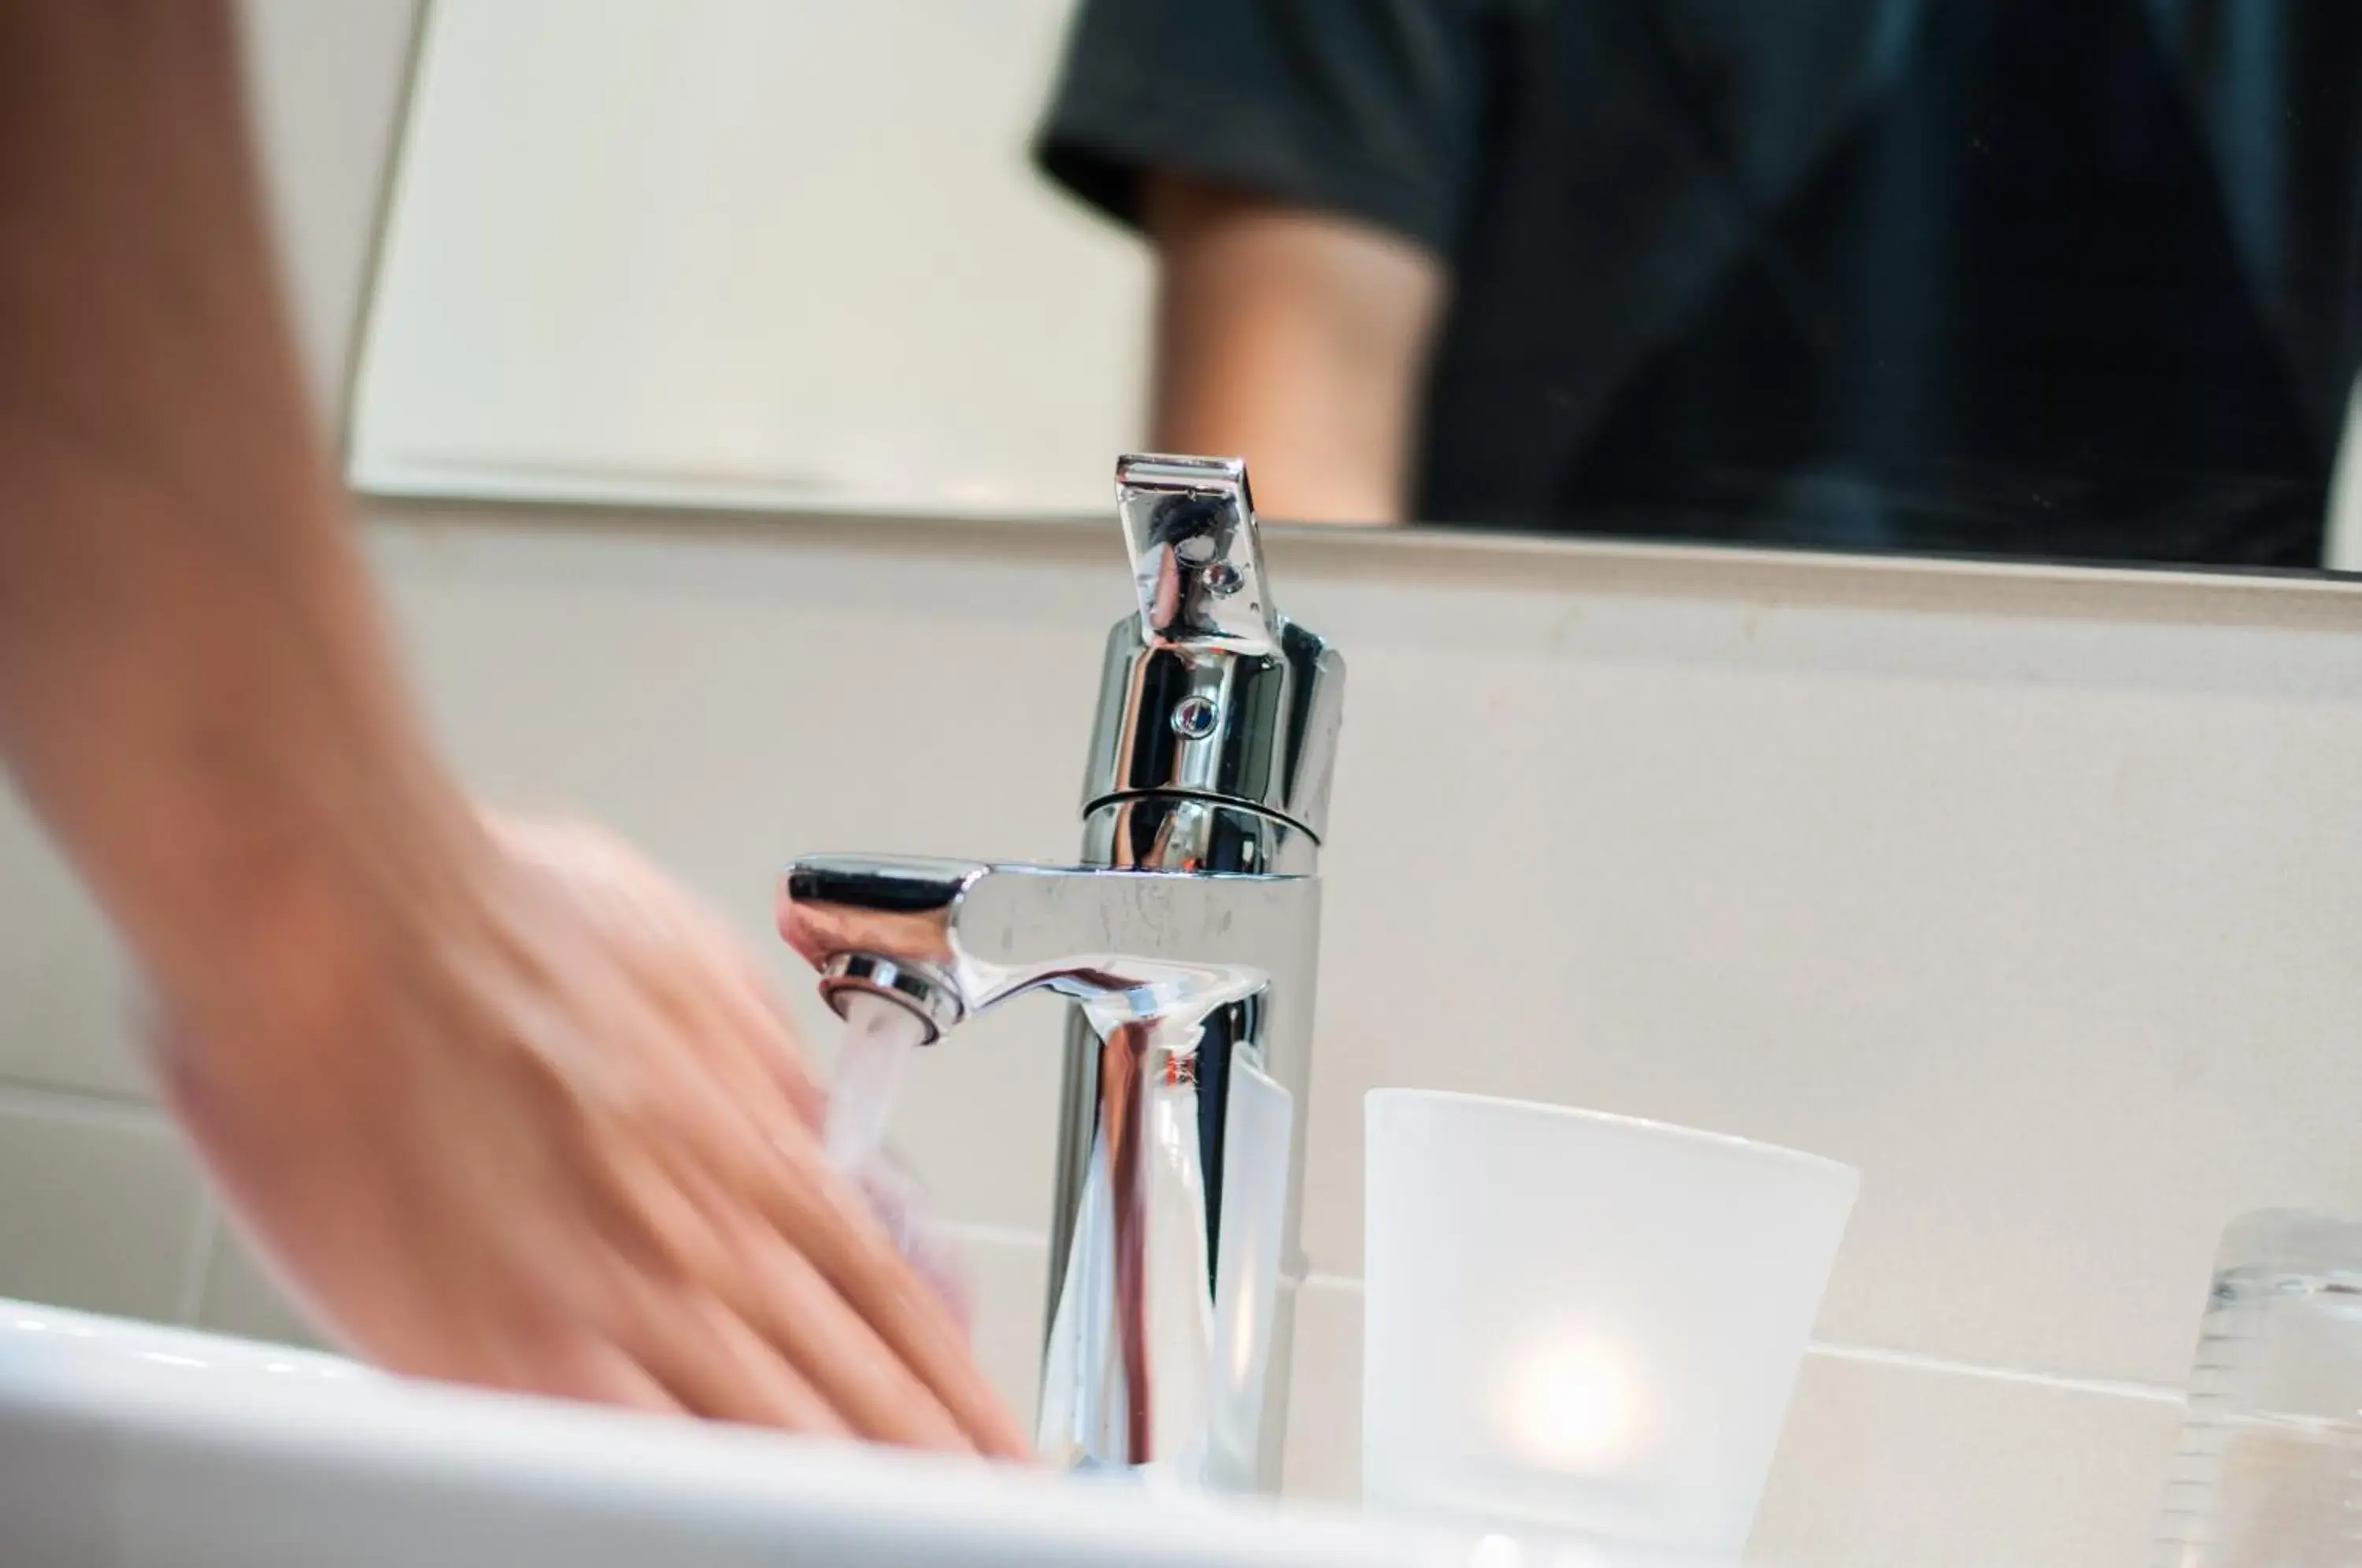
1297 339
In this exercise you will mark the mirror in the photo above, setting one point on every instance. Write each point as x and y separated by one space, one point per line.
2066 282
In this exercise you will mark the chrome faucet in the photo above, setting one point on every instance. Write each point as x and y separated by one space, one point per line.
1187 941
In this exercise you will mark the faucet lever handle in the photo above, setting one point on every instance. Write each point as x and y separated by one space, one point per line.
1196 557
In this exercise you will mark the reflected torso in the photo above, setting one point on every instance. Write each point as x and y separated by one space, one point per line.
2020 278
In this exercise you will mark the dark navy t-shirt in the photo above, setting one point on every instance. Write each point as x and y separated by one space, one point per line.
2061 278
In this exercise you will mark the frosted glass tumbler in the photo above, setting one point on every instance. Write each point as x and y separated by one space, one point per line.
1584 1324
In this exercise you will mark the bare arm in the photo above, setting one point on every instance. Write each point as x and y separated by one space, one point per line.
501 1106
190 675
1297 339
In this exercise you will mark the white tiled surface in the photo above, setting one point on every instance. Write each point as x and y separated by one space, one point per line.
238 1298
65 1008
2029 898
1938 913
98 1207
2027 911
1008 1274
2062 964
1884 1465
1324 1414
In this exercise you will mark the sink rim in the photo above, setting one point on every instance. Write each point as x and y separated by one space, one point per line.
144 1446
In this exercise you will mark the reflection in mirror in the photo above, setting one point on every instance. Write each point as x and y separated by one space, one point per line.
786 254
2024 279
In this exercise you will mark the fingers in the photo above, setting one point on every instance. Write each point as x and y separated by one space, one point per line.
909 1316
754 1027
771 1285
877 1395
817 1214
713 1364
760 1289
704 974
598 1372
689 1215
764 1022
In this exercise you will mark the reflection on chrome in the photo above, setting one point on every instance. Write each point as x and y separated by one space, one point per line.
1187 941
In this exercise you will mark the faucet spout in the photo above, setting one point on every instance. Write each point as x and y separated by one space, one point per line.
1162 1332
967 935
1188 943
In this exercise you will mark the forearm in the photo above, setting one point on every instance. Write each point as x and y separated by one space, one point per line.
194 689
1297 339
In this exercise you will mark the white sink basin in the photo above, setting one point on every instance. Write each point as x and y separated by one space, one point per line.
125 1445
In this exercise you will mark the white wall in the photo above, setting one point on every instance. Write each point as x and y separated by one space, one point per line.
2028 893
780 252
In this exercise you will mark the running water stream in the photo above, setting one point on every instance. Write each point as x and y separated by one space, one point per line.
873 1058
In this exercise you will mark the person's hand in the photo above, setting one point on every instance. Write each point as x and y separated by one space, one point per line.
561 1140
